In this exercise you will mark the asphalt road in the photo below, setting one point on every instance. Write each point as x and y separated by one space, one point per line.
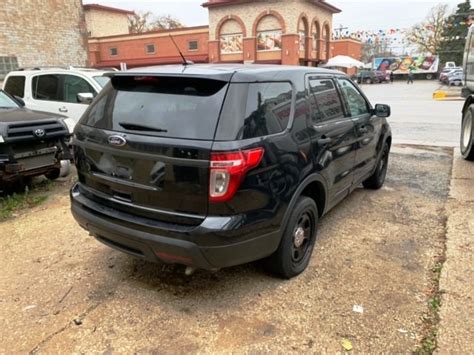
416 117
63 292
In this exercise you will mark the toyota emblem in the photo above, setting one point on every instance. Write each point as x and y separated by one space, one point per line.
117 141
40 133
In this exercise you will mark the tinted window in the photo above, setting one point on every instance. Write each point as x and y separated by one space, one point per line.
15 86
169 107
325 102
355 101
47 87
113 51
74 85
255 110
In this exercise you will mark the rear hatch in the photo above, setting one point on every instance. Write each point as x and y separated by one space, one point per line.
143 146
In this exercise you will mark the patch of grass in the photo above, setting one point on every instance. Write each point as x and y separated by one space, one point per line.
11 204
431 319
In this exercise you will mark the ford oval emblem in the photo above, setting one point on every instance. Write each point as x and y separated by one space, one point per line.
117 141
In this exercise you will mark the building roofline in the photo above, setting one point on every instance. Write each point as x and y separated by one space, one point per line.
181 29
218 3
107 9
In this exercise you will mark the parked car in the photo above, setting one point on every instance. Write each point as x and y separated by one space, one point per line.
32 143
455 79
444 75
371 77
56 90
213 166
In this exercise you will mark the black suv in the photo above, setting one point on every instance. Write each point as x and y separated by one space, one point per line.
212 166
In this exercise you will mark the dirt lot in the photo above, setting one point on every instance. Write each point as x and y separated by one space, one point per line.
61 291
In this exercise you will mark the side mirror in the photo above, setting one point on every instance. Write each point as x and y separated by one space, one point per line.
382 110
20 101
85 97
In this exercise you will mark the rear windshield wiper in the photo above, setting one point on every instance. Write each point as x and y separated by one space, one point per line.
139 127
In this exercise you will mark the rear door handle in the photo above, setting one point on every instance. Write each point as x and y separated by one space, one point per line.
324 140
63 109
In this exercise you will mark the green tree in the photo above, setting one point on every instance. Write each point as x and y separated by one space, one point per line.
451 48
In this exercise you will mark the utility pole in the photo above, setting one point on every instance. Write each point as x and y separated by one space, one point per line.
340 29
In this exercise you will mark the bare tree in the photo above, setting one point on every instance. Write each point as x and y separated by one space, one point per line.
166 22
140 22
145 21
428 35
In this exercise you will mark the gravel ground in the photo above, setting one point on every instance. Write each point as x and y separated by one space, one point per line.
62 291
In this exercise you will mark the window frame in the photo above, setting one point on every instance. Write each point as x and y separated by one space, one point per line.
344 116
34 88
192 41
116 51
146 48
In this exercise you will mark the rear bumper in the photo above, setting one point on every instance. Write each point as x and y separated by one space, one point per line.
180 248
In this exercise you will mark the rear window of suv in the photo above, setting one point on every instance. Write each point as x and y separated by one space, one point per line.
165 106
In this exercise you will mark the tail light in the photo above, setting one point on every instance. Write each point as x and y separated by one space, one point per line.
228 171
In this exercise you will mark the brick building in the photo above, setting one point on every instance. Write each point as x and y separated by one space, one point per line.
294 32
41 33
105 21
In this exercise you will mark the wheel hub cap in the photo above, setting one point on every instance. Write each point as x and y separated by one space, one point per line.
299 237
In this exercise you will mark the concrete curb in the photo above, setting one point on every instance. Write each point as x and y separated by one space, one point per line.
457 277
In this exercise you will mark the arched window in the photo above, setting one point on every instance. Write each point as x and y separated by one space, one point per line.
269 32
303 34
231 37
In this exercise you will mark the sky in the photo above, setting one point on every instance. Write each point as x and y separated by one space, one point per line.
356 14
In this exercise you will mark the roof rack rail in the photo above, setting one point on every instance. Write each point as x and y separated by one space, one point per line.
52 67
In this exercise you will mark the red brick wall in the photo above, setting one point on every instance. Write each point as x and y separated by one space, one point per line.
347 47
132 49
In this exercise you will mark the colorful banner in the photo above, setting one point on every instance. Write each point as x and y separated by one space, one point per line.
269 41
231 44
405 64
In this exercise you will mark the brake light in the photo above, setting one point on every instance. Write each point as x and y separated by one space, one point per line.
228 171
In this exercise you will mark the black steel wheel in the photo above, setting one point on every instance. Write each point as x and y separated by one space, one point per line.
296 247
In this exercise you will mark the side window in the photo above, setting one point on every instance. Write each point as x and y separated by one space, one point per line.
325 102
268 109
15 86
74 85
47 87
356 103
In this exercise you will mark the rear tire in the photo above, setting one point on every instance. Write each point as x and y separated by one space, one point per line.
296 246
429 76
467 135
377 179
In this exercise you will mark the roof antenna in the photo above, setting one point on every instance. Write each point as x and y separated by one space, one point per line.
185 62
